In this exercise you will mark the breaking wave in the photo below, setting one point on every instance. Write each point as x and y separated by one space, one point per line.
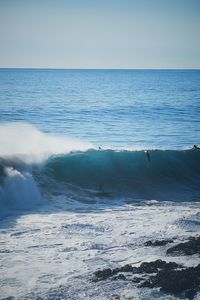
23 151
28 176
168 175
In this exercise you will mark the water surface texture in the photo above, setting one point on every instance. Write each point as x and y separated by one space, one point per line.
69 208
114 108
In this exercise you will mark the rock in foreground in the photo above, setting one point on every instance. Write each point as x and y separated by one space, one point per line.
185 283
187 248
169 277
158 243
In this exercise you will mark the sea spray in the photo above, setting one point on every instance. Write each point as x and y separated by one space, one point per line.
23 152
31 145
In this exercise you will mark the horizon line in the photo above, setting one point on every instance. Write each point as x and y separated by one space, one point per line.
104 69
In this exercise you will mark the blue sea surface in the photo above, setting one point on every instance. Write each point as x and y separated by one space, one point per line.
110 108
72 208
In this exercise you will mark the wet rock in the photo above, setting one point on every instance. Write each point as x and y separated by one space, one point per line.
158 243
115 297
146 267
187 248
102 275
137 279
5 251
107 273
170 277
128 268
155 266
119 277
185 282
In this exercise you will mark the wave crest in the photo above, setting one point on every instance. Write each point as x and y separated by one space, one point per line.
26 142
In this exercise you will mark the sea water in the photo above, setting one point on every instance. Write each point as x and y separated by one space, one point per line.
78 191
111 108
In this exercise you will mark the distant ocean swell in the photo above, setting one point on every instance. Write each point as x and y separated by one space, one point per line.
169 175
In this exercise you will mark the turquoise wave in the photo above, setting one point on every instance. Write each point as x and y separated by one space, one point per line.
95 174
158 174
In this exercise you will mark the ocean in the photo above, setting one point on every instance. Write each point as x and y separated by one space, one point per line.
93 165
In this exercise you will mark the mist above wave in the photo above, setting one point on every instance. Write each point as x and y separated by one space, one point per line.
32 145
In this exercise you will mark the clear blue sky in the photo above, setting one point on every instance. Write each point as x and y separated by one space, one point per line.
100 33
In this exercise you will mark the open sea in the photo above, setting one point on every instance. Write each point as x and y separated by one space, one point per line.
93 164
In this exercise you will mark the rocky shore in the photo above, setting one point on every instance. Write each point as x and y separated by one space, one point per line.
170 277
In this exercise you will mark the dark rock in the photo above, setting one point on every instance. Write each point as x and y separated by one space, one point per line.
107 273
137 279
187 248
170 277
146 267
116 270
127 268
119 277
115 297
104 274
184 282
158 243
190 294
155 266
5 251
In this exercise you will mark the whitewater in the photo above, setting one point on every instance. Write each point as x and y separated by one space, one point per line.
78 190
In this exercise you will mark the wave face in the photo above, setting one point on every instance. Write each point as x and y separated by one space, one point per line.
101 174
169 175
18 191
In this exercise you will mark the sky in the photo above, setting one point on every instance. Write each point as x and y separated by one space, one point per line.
105 34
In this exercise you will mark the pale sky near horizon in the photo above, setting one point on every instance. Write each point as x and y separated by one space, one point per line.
100 33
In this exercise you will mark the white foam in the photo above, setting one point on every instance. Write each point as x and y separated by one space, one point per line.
19 191
31 145
65 247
